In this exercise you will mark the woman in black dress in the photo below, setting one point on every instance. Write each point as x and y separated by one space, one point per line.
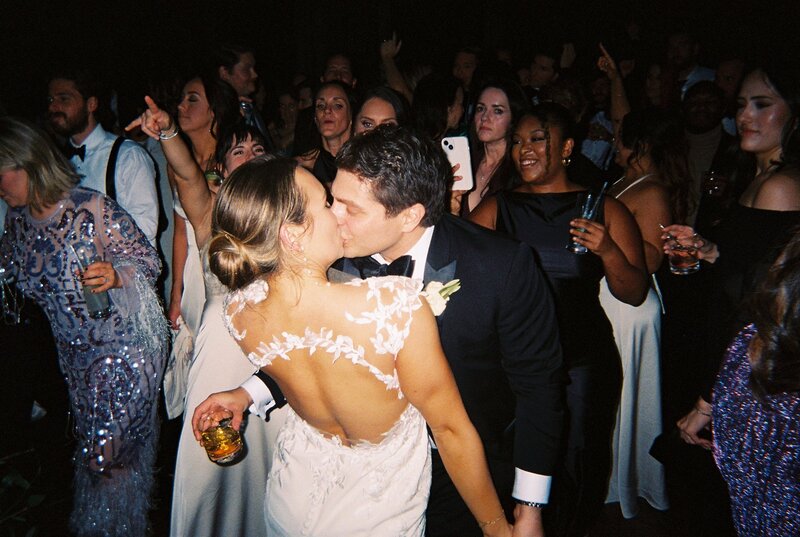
543 212
333 117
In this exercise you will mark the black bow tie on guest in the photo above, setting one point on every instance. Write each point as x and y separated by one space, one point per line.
70 151
368 267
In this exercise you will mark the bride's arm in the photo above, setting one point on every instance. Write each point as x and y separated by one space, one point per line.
428 383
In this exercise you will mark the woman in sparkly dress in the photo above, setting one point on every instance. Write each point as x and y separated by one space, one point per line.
113 364
756 408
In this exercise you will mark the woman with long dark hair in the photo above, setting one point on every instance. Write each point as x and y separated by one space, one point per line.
756 407
500 104
438 105
334 105
759 225
655 189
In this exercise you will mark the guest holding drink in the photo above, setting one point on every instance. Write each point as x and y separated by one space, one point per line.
543 212
655 189
758 227
112 359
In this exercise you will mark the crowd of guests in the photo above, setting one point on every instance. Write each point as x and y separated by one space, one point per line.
546 380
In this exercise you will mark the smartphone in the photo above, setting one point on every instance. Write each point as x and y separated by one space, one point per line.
457 150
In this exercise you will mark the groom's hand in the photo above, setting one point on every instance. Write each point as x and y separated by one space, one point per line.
528 521
235 401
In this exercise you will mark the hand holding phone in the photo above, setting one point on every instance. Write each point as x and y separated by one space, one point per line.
457 150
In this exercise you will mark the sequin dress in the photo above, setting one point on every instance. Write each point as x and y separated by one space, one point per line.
113 366
757 448
319 486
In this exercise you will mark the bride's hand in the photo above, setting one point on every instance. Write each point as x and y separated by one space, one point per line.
235 401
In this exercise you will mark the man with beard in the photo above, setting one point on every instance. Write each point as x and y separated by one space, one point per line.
120 169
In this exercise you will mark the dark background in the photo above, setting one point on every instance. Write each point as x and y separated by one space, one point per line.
133 42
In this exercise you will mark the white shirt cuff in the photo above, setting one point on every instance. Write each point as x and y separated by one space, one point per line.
530 487
263 400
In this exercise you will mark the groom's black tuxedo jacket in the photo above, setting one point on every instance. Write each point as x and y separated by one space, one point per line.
500 336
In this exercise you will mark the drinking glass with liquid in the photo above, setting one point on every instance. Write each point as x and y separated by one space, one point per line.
222 442
97 304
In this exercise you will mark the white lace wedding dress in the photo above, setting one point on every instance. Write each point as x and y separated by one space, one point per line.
318 486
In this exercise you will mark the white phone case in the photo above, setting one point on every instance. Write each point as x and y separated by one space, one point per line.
457 150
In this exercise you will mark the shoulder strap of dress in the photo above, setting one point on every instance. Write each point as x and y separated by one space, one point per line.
636 182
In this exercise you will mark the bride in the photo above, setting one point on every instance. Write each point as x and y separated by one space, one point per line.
360 365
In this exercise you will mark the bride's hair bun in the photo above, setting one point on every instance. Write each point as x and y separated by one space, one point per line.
231 261
252 205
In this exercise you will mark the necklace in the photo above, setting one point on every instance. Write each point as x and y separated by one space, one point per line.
482 176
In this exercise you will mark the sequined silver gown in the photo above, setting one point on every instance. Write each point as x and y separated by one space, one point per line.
113 366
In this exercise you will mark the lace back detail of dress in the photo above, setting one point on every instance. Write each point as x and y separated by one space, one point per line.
391 319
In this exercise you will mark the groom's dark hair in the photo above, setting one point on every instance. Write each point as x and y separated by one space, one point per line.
402 168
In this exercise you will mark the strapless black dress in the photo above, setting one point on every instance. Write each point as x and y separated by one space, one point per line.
590 354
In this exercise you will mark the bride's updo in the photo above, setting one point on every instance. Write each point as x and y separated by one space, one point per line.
252 205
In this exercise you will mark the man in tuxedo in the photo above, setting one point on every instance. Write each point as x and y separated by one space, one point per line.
121 169
498 331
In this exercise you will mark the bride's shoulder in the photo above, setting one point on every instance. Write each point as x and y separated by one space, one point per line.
386 290
387 284
236 302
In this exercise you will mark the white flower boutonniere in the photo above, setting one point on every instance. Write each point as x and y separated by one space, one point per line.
438 294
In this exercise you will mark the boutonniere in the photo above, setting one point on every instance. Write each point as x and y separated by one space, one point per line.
438 293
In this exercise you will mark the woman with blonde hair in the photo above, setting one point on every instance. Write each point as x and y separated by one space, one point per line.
112 357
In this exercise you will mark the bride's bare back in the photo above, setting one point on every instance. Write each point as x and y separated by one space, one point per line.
334 351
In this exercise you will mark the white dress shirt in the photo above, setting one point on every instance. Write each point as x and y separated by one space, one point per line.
135 177
528 486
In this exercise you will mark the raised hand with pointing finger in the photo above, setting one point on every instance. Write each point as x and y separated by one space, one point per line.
154 122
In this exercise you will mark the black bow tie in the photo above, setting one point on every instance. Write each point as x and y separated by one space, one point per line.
368 267
70 151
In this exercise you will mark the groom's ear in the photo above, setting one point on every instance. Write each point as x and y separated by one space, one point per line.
412 216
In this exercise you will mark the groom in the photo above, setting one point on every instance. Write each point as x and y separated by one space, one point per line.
498 330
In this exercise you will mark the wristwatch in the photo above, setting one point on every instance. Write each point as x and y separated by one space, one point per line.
531 504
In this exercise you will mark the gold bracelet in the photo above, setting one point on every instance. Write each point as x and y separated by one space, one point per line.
483 525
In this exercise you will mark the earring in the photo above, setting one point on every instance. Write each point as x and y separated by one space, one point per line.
306 270
565 161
